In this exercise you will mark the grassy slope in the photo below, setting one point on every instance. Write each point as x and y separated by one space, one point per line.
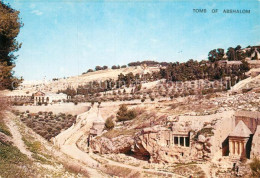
13 163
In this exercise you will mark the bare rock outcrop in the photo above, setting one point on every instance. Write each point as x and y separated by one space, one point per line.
155 144
120 144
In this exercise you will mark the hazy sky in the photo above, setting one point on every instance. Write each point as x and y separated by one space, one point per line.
64 38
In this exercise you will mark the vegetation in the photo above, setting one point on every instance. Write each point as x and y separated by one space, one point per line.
255 167
3 107
47 124
124 114
120 171
148 63
117 132
194 70
4 129
9 29
109 123
13 163
34 147
211 70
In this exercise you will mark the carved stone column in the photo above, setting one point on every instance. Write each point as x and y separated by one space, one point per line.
230 147
237 149
241 148
234 147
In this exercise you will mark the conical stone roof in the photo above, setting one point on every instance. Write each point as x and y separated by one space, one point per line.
241 130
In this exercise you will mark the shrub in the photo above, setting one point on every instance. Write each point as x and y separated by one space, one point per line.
90 70
4 129
176 95
131 114
124 114
138 88
255 167
109 123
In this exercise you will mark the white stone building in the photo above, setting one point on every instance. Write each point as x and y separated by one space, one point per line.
41 97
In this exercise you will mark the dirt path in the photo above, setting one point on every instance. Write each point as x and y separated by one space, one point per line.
16 136
152 171
66 141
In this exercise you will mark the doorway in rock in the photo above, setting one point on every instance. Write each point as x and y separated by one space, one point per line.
145 156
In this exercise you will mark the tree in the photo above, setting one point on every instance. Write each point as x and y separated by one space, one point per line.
115 67
98 68
255 57
244 67
238 48
3 106
69 91
10 25
105 67
124 115
231 54
90 70
216 55
109 124
138 88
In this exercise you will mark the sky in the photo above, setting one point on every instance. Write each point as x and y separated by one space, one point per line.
62 38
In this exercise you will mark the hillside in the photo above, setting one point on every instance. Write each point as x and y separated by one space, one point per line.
75 81
167 124
253 82
26 154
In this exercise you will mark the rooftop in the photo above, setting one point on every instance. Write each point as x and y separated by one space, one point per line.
241 130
